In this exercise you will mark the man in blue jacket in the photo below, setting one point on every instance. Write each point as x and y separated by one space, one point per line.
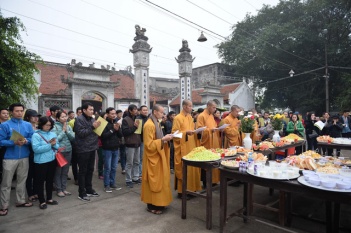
15 158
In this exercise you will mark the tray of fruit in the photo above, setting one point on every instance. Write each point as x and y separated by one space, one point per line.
226 152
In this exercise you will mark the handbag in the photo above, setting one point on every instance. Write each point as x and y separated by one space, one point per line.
313 135
60 158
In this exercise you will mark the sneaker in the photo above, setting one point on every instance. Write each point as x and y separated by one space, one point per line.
138 181
101 177
108 189
93 194
83 198
115 187
129 184
123 171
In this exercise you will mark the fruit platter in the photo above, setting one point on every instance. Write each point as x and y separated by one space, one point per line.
255 157
201 154
226 152
230 164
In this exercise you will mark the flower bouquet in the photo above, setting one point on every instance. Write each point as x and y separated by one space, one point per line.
277 121
247 122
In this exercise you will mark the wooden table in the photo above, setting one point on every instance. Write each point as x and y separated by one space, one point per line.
292 186
321 145
208 166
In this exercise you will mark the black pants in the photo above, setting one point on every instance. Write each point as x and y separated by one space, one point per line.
346 135
44 173
171 154
74 162
85 174
30 183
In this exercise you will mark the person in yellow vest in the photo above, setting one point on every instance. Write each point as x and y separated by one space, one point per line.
156 185
184 123
210 136
232 132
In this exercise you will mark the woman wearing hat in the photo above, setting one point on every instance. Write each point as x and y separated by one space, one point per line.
32 117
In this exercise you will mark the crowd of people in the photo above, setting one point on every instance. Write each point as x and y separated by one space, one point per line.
143 142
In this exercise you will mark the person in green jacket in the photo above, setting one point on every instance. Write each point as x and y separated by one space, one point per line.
295 126
65 136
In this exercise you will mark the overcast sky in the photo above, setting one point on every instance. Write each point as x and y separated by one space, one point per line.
103 31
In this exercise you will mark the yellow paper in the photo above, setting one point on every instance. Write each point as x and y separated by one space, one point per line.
16 136
102 126
140 126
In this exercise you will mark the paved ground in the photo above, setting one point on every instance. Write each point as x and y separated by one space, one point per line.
122 211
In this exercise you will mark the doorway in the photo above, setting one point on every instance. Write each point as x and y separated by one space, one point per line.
95 99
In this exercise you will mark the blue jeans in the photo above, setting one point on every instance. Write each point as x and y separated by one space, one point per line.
141 158
110 166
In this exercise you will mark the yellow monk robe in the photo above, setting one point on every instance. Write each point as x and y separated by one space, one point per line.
255 134
209 139
156 183
232 133
182 146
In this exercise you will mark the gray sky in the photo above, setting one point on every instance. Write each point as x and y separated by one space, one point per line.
103 31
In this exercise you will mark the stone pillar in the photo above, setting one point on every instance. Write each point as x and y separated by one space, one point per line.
141 50
185 67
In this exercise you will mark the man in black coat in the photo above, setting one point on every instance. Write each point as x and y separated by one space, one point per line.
86 145
110 139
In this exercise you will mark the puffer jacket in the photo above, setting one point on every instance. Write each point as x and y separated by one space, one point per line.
64 138
86 139
43 151
25 129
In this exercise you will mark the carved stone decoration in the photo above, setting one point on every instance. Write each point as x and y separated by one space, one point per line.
185 61
141 50
140 33
185 47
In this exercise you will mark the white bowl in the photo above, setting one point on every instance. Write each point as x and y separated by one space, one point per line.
314 181
343 184
328 183
307 172
345 172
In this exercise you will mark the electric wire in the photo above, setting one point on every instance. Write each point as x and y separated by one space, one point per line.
210 13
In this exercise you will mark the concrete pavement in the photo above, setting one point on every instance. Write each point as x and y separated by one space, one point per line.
122 211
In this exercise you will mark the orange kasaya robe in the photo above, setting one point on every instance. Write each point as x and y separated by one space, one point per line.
182 146
255 134
232 134
156 183
209 139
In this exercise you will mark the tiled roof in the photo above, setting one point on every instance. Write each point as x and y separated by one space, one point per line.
226 89
51 78
197 99
51 81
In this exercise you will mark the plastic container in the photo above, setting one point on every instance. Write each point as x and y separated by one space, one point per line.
343 184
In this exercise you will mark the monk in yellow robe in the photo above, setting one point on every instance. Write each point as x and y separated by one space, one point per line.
232 133
156 185
184 123
210 137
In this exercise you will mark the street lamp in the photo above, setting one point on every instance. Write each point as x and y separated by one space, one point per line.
291 73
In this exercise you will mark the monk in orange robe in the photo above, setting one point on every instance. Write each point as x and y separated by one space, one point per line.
232 132
184 123
210 137
156 185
